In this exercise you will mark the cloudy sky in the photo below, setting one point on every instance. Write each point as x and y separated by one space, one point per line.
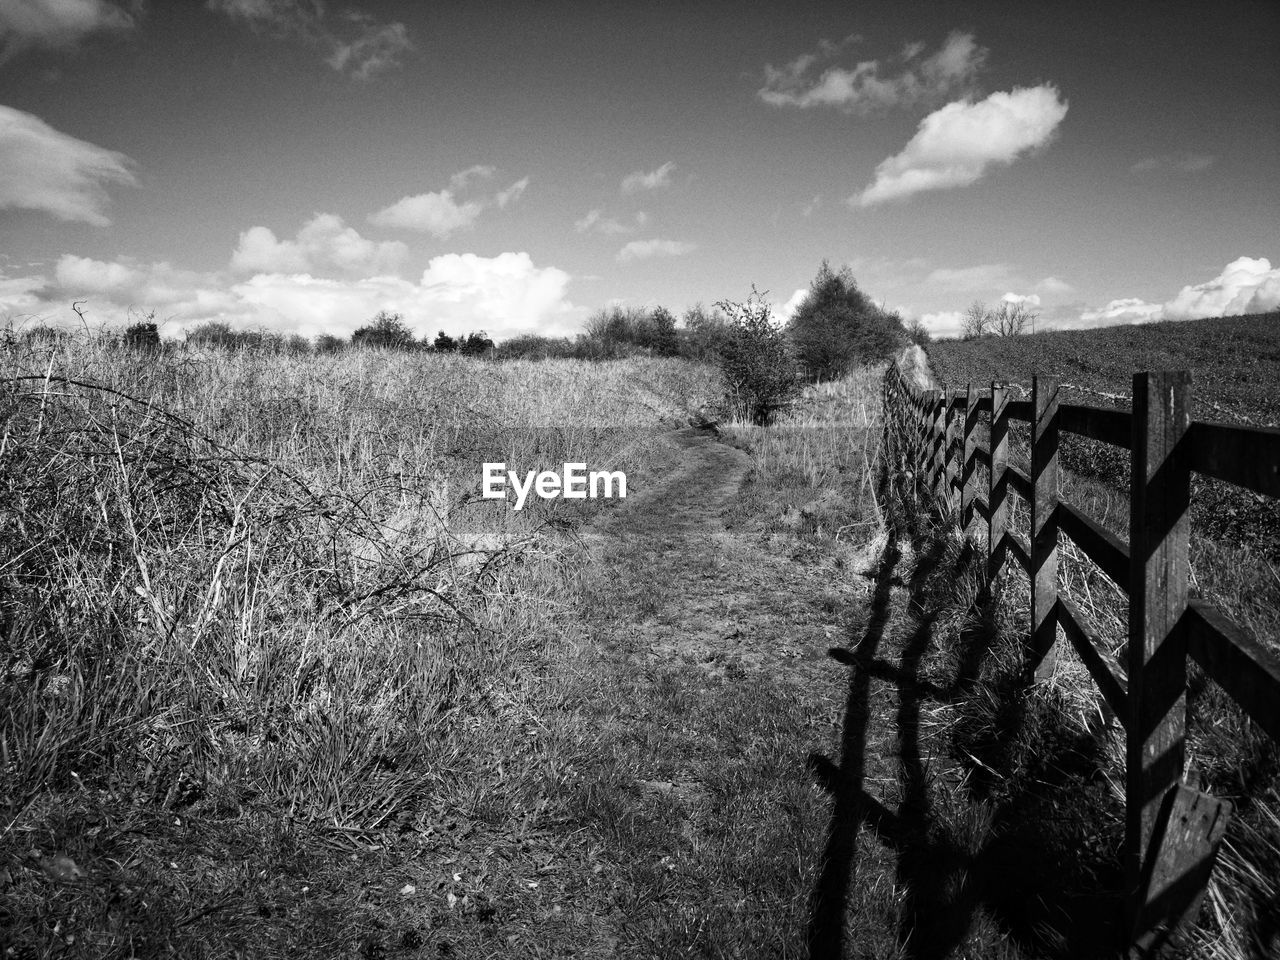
299 165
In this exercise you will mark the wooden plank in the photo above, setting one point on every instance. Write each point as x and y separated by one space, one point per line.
1190 829
1247 670
1160 492
1102 546
1042 492
969 469
980 506
982 454
941 492
998 481
1019 481
1100 423
1246 456
1019 548
1110 681
951 420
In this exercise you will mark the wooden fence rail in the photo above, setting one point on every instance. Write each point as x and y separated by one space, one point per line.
1172 831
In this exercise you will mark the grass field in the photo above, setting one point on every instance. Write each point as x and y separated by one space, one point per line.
277 682
251 600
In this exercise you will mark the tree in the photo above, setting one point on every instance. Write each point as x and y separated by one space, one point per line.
660 333
475 344
756 363
918 333
444 343
976 322
1011 319
837 326
386 330
704 332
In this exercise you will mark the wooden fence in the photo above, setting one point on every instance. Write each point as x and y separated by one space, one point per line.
1172 831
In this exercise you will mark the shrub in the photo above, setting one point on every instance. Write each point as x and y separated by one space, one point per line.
475 344
704 332
759 371
387 330
533 347
215 333
837 326
143 335
328 343
444 343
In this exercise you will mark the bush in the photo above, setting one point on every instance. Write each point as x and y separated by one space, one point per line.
475 344
218 334
444 343
533 347
386 330
328 343
704 333
143 335
837 326
759 371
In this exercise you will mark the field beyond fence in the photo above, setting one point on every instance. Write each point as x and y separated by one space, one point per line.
1173 830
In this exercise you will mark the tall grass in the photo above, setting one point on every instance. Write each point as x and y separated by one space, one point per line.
235 579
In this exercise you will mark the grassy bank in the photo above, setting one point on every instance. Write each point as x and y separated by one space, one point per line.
253 608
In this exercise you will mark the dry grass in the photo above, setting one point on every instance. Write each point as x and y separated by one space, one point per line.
262 592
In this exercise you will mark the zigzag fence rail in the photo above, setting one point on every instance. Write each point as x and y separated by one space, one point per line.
1172 831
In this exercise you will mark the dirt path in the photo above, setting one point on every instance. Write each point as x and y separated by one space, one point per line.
723 705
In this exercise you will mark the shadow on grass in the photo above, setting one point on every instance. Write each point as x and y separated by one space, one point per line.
1044 869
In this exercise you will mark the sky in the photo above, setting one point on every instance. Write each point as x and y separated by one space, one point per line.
299 165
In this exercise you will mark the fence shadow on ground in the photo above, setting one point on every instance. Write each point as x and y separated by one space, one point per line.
1042 869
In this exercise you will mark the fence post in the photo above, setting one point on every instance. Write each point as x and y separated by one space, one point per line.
997 498
1157 674
969 467
1044 525
949 453
942 492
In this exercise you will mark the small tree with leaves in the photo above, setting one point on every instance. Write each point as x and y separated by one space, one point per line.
444 343
759 371
385 330
475 344
837 326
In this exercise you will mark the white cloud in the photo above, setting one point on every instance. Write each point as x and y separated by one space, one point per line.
377 48
1245 285
1126 310
56 23
505 295
610 226
479 171
512 193
945 323
788 309
805 82
1054 285
323 245
44 169
812 205
956 145
652 180
1030 300
1180 163
643 249
438 214
361 46
981 276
